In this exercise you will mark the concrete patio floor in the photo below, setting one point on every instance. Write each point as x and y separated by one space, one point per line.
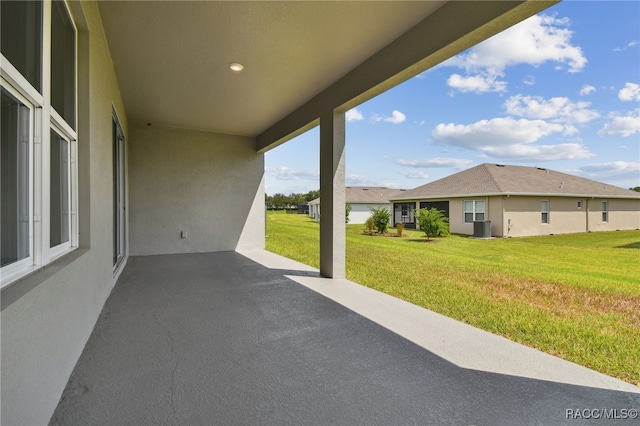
253 338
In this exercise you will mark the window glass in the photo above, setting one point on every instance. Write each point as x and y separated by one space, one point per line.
544 211
59 186
63 63
605 212
480 206
15 202
21 38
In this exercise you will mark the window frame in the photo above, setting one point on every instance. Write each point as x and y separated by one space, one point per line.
545 210
474 211
605 212
119 193
16 269
44 119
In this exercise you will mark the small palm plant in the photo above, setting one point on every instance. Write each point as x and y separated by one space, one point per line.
433 222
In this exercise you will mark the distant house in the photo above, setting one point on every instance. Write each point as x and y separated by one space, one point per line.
362 199
521 201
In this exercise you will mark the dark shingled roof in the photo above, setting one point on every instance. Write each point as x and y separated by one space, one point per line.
496 179
367 195
370 194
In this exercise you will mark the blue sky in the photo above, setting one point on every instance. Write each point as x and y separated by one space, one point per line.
560 90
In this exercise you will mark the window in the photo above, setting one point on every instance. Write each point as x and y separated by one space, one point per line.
60 203
544 211
21 38
605 211
39 140
63 64
15 213
473 211
119 218
579 204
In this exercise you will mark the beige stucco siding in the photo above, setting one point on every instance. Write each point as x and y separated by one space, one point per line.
207 185
523 216
48 316
623 214
518 216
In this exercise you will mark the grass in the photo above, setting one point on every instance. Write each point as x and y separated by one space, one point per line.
576 296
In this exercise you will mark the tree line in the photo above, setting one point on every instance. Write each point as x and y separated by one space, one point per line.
280 201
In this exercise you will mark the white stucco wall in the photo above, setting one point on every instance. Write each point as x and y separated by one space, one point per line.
48 316
361 212
206 184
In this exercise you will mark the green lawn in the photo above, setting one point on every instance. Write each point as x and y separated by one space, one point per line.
576 296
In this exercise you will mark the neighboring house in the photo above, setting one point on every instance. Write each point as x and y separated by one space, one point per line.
314 209
128 130
521 201
362 199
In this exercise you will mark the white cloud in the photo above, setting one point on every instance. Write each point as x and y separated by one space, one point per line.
497 131
624 126
520 152
437 162
628 45
286 173
534 41
396 117
476 83
507 138
353 114
415 174
558 109
530 80
630 92
587 89
360 180
613 170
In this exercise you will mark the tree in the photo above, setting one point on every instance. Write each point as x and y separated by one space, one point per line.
312 195
433 222
279 201
381 218
635 188
347 210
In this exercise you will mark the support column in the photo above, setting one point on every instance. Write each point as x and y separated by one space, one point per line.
332 195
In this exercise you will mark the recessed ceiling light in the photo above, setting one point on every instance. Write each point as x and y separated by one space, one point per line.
236 67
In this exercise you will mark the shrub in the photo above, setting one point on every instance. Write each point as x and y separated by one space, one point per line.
369 226
347 210
433 222
381 218
399 228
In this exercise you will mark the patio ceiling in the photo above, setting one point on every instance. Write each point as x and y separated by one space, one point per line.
172 57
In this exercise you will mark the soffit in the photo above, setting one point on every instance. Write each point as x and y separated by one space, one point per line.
172 57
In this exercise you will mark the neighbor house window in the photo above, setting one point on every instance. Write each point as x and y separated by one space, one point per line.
473 211
39 140
605 211
579 204
545 211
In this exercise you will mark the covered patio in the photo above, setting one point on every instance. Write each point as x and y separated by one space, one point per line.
254 338
161 305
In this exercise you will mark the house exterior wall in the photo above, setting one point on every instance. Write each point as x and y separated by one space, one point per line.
206 184
526 216
623 214
361 212
48 316
456 216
